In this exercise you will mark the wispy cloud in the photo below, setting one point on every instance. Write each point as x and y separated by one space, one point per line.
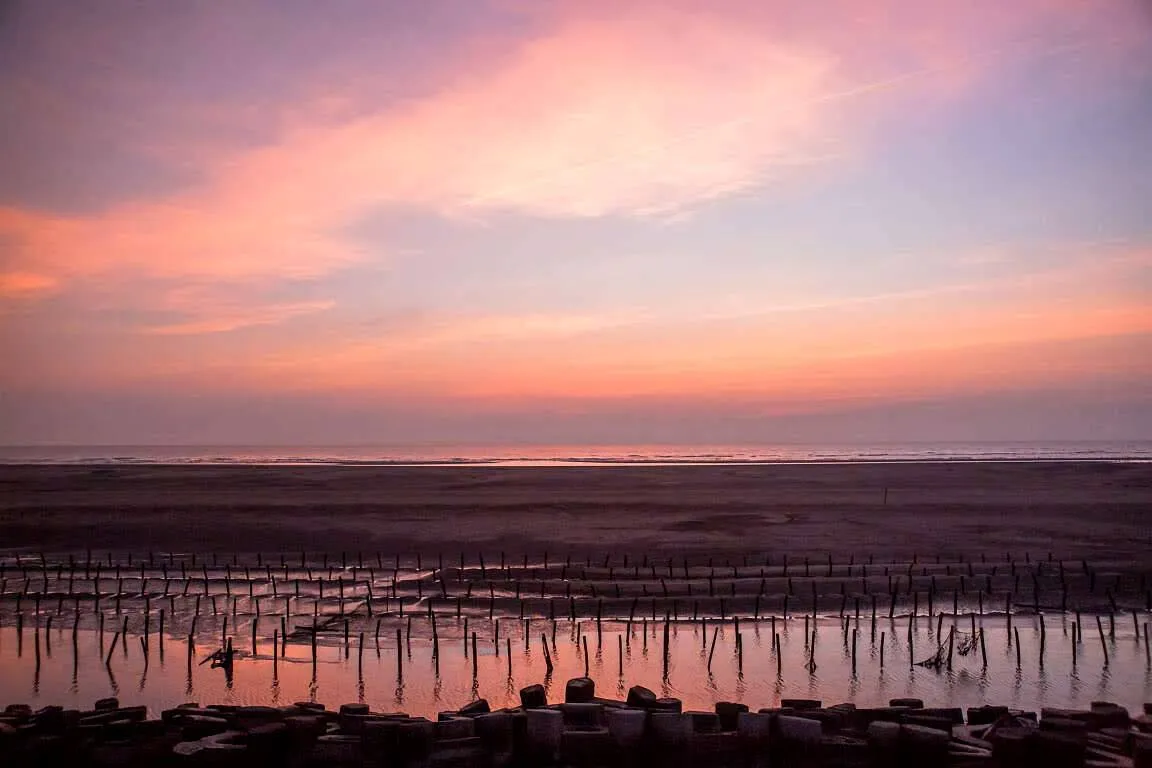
642 113
26 285
223 320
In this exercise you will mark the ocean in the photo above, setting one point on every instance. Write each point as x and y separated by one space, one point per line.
577 455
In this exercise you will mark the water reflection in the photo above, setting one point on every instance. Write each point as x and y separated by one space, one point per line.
811 665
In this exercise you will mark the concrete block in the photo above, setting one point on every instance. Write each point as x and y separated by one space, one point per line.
800 730
584 715
639 696
626 726
579 690
533 696
544 729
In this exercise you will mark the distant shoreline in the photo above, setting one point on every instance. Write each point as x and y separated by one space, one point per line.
1078 509
569 462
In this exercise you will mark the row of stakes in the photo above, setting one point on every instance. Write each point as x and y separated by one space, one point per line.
943 657
224 656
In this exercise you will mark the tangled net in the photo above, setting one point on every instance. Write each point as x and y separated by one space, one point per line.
965 643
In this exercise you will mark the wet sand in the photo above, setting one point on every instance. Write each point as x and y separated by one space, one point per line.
1077 510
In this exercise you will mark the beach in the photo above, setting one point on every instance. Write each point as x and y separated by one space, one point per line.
1095 510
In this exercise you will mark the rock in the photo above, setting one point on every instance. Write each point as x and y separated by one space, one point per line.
884 735
269 740
18 710
544 729
1053 749
754 728
729 712
954 715
626 726
639 696
1064 725
830 720
108 703
842 750
861 718
49 719
586 747
716 748
704 722
668 705
579 690
670 730
455 728
454 752
922 735
1105 714
937 723
590 715
801 704
415 737
337 751
533 697
985 715
923 746
133 714
495 732
381 739
195 727
477 707
800 730
309 705
1142 751
1083 715
251 717
910 703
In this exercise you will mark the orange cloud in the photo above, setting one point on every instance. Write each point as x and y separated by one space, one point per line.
640 111
221 321
25 285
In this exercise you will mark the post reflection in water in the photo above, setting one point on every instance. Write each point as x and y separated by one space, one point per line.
811 665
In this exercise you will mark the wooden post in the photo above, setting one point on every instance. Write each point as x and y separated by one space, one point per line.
1103 644
1043 639
855 632
547 655
882 635
585 639
712 650
314 647
666 648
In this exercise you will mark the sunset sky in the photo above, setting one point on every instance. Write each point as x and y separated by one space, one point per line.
575 221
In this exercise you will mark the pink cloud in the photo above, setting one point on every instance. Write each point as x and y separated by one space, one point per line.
25 285
645 109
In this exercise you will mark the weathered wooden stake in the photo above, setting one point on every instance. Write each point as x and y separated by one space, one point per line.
1103 643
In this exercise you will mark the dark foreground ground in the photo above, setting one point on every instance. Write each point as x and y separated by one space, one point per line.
1092 510
583 731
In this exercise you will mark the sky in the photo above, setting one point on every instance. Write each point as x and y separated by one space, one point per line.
678 221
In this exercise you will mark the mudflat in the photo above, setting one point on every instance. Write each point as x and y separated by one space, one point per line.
1100 511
